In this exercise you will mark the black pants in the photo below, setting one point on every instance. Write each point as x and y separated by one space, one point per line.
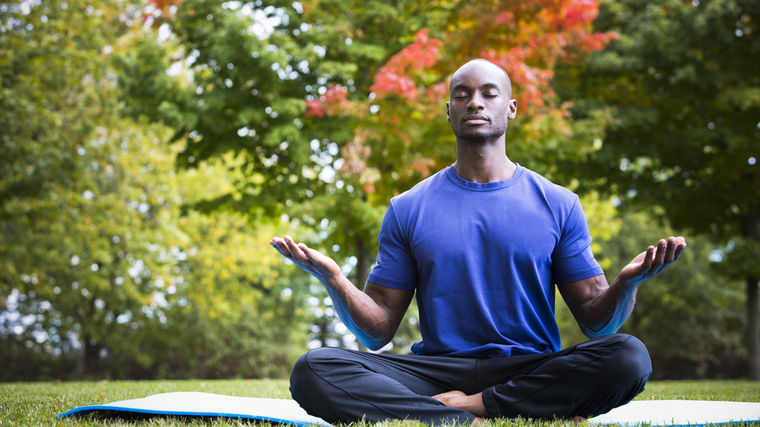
340 385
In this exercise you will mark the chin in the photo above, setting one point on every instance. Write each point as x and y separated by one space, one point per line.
484 134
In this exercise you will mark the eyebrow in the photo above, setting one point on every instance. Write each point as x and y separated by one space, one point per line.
461 86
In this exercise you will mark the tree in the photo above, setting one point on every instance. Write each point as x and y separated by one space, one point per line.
683 131
53 159
101 275
246 96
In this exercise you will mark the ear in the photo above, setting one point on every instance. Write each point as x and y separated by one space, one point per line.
512 109
448 113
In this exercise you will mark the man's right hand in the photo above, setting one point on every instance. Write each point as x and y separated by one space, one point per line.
310 260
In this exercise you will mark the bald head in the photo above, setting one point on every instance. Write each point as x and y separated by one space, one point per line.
480 102
481 65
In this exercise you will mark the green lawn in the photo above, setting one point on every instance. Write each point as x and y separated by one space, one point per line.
26 404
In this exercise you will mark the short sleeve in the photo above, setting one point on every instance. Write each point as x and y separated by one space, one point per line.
573 259
396 268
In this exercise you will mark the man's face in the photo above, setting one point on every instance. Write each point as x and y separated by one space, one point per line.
481 106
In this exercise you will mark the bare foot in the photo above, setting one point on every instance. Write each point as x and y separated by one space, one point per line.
449 397
577 419
457 399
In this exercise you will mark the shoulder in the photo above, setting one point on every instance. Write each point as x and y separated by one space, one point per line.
426 188
554 193
563 204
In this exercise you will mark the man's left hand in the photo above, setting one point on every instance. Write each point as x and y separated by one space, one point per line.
654 261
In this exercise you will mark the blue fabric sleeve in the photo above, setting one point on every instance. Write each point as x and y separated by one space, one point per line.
573 259
396 268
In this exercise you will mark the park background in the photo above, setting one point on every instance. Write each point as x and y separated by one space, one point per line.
150 150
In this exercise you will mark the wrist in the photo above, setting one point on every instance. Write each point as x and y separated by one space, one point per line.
626 284
338 285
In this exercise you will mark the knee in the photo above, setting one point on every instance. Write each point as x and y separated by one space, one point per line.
305 378
310 384
635 358
629 361
299 377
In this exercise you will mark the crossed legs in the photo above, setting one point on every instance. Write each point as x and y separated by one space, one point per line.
341 385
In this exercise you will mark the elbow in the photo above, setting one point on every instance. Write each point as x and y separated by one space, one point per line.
374 344
592 333
376 336
596 323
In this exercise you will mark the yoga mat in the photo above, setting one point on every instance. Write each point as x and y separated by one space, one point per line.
195 404
286 411
680 413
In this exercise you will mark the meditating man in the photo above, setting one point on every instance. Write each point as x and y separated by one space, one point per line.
483 243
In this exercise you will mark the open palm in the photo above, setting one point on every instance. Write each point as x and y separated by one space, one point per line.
653 261
320 266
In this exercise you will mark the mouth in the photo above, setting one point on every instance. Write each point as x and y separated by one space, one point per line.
475 119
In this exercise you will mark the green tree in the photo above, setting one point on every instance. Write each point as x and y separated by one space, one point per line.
102 276
681 85
245 96
54 166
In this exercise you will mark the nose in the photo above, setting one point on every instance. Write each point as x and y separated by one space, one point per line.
476 102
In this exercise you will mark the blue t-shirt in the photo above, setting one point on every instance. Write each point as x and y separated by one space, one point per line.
484 259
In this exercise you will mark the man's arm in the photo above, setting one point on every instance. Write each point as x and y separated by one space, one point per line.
601 309
373 315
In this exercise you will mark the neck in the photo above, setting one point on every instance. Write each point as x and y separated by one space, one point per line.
483 161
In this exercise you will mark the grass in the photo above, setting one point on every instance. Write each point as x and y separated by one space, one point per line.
30 404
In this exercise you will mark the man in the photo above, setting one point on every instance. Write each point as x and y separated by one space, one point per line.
483 243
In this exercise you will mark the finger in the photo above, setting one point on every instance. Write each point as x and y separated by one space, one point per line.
647 263
316 256
297 253
281 247
680 248
670 251
659 256
307 251
679 251
280 250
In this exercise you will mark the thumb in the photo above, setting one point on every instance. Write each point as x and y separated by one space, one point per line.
317 258
310 253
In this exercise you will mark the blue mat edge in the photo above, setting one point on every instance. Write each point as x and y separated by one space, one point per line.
84 410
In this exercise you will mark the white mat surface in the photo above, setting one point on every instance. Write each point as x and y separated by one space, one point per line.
284 411
680 413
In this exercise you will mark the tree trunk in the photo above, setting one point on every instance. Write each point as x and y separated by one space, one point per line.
90 362
751 232
79 365
753 331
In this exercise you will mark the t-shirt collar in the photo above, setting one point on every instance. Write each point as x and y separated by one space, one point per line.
488 186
